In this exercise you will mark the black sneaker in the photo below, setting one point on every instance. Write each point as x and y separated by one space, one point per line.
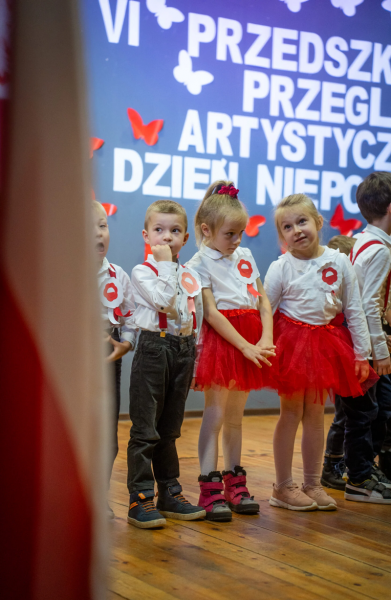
142 511
332 474
172 504
385 462
369 490
378 474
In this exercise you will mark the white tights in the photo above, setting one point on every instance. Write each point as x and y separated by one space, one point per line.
312 417
223 408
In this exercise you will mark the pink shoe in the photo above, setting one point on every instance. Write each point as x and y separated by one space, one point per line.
211 497
317 493
291 497
237 494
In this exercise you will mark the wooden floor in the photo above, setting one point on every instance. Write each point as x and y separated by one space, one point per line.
278 554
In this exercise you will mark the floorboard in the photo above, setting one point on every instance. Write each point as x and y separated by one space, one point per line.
278 554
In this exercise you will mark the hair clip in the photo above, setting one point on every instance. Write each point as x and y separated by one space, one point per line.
230 190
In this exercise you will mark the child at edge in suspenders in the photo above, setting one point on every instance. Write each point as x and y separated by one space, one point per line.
317 356
333 474
235 341
162 369
371 259
117 309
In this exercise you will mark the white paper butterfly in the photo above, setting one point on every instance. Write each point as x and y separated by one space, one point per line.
294 5
193 80
166 15
386 5
348 6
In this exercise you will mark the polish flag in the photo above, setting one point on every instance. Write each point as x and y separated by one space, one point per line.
53 400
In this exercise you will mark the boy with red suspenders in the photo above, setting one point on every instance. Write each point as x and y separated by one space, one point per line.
162 369
371 258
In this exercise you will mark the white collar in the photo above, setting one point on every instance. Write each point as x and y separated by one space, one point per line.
105 266
214 254
379 233
304 265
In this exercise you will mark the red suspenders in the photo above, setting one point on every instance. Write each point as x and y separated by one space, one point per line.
117 311
163 316
353 260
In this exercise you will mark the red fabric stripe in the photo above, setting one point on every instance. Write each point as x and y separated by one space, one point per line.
45 517
236 312
162 316
363 247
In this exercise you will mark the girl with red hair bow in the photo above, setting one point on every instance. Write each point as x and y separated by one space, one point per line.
235 343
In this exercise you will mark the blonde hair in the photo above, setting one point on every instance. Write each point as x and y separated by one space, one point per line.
97 207
293 201
215 208
166 207
343 243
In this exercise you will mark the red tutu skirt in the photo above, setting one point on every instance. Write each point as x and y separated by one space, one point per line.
316 358
221 365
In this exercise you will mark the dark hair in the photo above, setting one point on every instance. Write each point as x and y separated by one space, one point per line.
343 243
374 195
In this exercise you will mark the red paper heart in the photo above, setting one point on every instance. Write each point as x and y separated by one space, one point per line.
253 225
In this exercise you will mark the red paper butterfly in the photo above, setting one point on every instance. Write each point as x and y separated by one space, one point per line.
110 209
95 144
253 225
345 226
148 133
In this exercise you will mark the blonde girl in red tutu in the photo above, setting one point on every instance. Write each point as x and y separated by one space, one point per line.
317 356
235 342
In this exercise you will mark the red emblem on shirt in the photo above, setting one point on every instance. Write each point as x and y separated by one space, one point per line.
110 292
245 268
189 283
329 275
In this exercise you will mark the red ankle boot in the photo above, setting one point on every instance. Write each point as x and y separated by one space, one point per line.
212 499
237 494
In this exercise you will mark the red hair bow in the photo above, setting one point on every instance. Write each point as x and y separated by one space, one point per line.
230 190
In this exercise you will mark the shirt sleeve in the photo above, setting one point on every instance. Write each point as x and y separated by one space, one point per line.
198 263
375 271
158 292
128 330
273 284
353 311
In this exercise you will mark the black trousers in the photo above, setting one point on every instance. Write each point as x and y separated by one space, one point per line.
365 428
160 380
380 423
115 369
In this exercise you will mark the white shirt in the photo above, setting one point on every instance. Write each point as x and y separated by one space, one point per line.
372 267
128 332
160 293
217 273
315 291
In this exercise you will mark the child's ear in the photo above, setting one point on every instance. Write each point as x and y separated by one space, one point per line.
205 229
185 238
320 223
145 236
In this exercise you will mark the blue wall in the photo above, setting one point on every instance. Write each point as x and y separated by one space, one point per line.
298 100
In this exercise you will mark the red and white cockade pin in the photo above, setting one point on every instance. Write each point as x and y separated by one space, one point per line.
190 284
111 293
246 271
